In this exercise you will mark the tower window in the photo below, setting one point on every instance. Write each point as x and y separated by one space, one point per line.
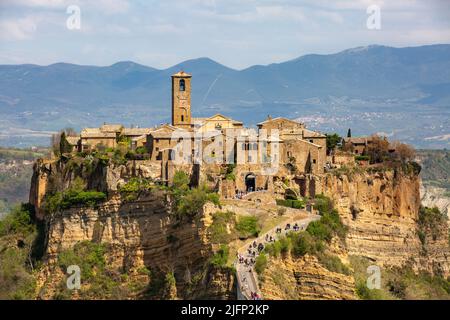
182 85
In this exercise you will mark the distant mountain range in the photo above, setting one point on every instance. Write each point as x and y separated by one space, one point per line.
401 92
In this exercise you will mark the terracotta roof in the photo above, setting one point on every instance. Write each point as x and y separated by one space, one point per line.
111 127
357 140
278 118
182 74
136 131
96 133
137 138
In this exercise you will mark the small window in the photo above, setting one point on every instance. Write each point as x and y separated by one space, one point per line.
312 141
182 118
182 85
314 161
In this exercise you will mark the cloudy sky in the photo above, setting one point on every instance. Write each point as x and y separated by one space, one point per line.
236 33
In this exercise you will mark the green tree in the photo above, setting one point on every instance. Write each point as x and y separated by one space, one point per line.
64 145
332 141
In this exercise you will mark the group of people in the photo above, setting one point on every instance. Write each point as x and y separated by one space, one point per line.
248 262
255 248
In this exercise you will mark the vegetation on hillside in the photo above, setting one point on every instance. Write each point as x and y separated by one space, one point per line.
188 202
76 194
314 240
399 283
20 251
431 223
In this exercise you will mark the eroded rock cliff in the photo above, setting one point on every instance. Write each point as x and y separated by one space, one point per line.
381 210
305 278
139 233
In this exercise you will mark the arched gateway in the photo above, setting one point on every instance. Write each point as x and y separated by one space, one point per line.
250 182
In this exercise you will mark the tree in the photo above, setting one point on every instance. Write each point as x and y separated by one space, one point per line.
64 145
349 133
378 149
332 141
403 152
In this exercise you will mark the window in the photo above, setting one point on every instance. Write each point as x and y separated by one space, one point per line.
182 85
312 141
182 118
314 161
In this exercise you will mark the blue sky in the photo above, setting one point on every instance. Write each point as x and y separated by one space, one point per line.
235 33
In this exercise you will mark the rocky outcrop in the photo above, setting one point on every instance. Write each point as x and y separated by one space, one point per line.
381 210
137 233
304 278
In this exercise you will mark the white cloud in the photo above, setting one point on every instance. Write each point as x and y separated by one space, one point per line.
18 29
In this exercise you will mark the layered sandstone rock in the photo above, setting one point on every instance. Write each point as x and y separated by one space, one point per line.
304 278
381 210
137 233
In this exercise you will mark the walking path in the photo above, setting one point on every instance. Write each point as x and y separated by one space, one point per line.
247 278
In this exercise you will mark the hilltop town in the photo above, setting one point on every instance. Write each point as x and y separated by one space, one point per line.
285 146
209 208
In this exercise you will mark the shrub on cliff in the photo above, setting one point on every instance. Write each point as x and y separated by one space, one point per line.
260 263
247 226
89 256
192 201
74 195
431 221
130 190
222 229
323 204
187 202
220 258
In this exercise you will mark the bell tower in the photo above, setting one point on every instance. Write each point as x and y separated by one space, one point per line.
181 100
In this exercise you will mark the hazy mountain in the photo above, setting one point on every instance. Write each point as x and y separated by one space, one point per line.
370 89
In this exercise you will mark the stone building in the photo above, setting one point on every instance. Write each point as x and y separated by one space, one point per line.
108 136
262 158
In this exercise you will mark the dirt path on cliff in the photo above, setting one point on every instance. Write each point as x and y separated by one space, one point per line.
246 274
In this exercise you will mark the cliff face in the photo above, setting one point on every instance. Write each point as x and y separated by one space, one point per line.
381 210
138 233
305 278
